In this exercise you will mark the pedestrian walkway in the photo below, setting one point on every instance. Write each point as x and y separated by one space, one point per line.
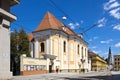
55 76
50 76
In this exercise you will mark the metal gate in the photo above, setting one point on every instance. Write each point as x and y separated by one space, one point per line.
15 64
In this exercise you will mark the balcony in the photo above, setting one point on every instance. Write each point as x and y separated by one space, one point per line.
6 15
14 2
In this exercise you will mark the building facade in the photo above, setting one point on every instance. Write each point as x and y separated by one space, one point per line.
97 62
64 48
5 19
116 62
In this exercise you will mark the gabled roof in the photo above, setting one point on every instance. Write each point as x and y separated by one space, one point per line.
51 22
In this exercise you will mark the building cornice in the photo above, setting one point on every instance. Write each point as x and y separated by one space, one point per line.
75 36
7 15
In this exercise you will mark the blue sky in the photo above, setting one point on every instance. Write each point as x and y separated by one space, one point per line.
84 14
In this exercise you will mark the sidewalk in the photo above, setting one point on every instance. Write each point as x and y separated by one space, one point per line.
50 76
53 76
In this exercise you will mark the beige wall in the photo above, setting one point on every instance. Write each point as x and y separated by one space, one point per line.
27 62
69 59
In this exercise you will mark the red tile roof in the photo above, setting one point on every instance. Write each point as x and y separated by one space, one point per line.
51 22
30 36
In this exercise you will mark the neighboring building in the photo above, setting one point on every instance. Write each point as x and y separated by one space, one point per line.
109 60
97 62
116 62
55 41
5 19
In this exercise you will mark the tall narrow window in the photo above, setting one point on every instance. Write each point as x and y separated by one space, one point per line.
82 52
85 52
0 3
78 50
42 47
33 50
64 46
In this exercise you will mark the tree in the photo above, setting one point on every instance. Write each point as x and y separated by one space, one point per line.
13 41
23 43
20 42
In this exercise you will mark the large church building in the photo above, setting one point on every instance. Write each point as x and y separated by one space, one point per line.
66 50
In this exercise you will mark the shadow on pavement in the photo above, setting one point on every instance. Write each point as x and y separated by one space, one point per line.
109 77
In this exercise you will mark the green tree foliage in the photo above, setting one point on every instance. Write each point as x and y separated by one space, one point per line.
20 42
13 41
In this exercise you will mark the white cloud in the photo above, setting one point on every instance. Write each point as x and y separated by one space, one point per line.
73 25
117 27
81 21
96 52
106 41
109 5
94 47
111 1
115 13
102 22
95 37
90 39
117 45
113 8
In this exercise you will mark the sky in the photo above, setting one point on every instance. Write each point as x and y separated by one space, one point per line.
81 16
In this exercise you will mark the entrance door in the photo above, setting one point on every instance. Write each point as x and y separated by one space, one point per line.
50 68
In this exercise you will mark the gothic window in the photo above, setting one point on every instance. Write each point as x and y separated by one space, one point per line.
78 50
64 46
42 47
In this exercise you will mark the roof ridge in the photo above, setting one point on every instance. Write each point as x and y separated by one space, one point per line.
49 18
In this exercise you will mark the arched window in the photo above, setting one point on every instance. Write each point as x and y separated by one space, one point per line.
42 47
64 46
78 50
82 52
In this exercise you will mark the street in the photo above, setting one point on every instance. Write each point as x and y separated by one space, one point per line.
103 75
98 76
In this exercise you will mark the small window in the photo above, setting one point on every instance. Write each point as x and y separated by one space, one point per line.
42 47
64 46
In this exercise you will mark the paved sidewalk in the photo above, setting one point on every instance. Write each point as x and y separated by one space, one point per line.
50 76
55 76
